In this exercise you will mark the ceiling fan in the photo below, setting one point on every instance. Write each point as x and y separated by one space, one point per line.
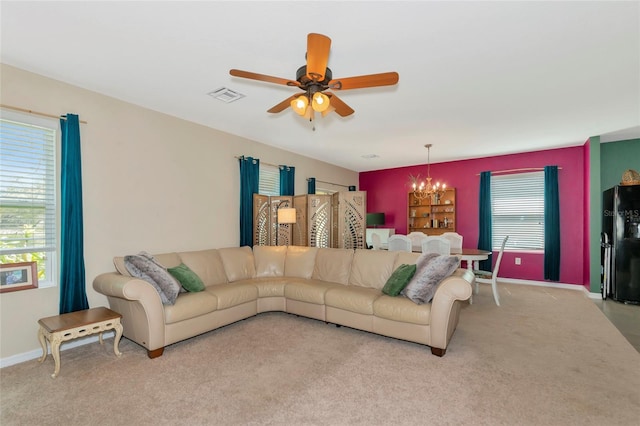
314 79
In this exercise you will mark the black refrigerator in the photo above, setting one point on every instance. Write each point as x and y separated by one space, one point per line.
621 224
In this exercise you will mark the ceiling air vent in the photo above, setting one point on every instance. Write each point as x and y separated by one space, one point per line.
226 95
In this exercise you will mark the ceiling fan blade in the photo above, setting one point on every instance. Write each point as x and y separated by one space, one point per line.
283 105
318 47
362 81
341 108
262 77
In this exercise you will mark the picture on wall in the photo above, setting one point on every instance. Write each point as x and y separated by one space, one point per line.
18 276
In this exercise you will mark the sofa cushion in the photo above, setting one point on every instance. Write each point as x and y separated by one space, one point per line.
167 260
207 264
333 265
146 267
188 279
238 263
432 268
268 286
300 261
269 260
309 291
401 309
233 294
190 305
352 298
372 268
404 257
399 279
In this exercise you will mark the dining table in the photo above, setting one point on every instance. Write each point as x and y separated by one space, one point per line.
470 255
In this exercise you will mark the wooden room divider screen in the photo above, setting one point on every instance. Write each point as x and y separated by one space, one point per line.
322 220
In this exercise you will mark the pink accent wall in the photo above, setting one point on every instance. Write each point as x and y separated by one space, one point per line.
387 192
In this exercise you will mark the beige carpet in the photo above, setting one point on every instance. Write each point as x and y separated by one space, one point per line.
546 357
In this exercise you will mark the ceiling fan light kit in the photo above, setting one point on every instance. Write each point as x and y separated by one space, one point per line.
315 78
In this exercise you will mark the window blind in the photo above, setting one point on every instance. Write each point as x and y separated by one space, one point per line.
269 180
517 204
27 188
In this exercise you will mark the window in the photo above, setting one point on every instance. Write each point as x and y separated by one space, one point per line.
28 194
269 180
517 206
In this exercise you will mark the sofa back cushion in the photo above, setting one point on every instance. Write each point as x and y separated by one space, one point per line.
333 265
168 260
372 268
406 258
269 260
300 261
238 263
207 264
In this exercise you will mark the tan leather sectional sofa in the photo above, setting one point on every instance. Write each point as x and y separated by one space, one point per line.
339 286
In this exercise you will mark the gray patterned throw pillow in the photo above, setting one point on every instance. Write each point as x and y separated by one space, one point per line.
432 269
146 267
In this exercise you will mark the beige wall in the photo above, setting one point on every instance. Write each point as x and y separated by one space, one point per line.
150 182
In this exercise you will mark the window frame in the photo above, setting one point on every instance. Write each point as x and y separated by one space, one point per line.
50 264
517 187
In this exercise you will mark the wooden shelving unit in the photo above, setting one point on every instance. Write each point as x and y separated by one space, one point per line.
432 216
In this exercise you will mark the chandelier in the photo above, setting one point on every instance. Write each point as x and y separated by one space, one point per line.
422 189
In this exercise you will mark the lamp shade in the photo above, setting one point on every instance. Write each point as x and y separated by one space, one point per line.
300 104
375 219
287 215
320 102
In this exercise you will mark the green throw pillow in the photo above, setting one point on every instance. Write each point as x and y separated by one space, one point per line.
187 278
399 279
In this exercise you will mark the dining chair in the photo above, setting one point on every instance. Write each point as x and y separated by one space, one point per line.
455 239
489 277
376 242
416 239
398 242
438 245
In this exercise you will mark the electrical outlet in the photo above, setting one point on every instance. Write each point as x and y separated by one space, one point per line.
518 261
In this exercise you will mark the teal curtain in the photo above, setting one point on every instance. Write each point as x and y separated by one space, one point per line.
287 180
484 220
311 186
249 185
73 294
551 224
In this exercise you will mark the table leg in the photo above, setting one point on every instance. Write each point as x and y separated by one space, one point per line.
55 351
116 339
43 343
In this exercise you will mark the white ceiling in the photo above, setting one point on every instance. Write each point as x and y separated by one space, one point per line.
476 78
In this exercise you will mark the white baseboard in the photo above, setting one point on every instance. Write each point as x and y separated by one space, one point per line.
552 285
37 353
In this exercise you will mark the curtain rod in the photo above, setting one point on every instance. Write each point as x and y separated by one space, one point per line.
331 183
42 114
321 181
525 169
261 162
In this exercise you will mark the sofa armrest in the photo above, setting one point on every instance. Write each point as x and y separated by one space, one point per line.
140 305
446 304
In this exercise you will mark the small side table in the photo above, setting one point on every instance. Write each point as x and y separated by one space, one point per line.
60 328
